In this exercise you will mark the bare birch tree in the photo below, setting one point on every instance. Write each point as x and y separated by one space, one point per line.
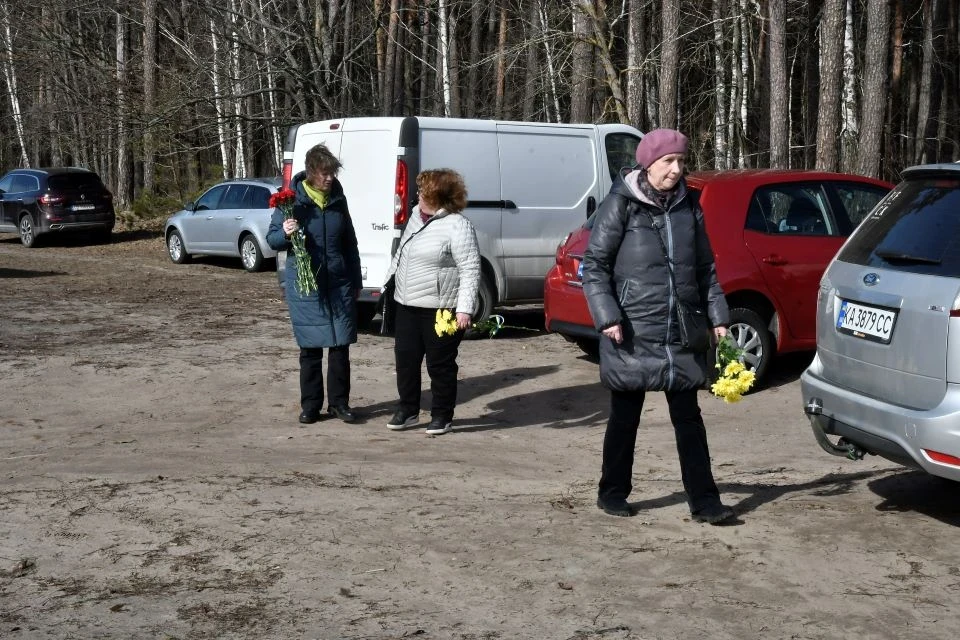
849 121
10 75
122 192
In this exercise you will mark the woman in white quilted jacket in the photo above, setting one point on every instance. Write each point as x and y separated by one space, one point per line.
437 266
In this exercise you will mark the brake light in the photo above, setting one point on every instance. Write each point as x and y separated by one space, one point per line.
942 458
49 200
401 196
287 173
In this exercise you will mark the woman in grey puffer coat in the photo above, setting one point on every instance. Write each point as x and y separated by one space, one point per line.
634 301
436 267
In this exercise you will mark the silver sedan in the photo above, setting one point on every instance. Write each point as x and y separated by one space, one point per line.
229 219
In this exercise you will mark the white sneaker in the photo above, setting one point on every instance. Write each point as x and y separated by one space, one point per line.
438 427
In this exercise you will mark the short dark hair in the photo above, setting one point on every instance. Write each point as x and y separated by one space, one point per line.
443 188
320 159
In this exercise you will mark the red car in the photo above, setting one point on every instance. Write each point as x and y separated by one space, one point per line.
773 233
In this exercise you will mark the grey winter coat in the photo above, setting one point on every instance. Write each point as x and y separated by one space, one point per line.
627 282
326 317
437 265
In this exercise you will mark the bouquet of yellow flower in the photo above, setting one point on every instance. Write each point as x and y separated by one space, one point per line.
446 324
734 379
306 282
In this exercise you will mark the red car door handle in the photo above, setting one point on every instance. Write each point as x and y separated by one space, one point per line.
775 260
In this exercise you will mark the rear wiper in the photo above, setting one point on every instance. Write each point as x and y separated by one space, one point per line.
906 257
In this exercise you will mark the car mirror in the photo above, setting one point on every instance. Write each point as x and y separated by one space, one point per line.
190 206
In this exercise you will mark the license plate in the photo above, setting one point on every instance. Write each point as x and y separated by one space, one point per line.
580 270
83 207
865 321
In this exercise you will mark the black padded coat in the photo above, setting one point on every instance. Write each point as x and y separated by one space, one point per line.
627 282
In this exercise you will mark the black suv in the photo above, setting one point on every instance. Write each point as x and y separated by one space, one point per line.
56 200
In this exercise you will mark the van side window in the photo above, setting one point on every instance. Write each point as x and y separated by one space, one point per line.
6 183
532 177
621 151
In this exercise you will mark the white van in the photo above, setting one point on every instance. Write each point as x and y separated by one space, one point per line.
528 184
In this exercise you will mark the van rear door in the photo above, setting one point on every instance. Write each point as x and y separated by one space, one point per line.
368 151
550 179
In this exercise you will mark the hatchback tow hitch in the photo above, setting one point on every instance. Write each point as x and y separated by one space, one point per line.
843 447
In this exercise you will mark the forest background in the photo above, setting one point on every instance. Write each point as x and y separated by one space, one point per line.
164 97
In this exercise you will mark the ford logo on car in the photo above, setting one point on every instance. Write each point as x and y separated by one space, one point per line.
871 279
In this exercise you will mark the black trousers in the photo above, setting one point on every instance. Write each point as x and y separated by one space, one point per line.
621 439
311 378
416 338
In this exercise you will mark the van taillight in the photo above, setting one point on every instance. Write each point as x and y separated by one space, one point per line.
287 173
401 196
47 199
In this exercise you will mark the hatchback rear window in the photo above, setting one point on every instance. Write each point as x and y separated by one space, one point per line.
74 181
916 229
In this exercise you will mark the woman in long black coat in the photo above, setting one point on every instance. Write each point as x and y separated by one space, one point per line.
648 255
327 316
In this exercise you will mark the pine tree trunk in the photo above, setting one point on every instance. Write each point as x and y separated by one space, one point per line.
635 54
669 63
501 79
874 84
390 63
779 87
149 91
531 87
831 70
581 73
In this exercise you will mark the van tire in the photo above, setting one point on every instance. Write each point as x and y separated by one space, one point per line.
486 301
751 332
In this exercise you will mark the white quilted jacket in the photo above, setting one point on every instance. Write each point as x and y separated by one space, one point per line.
437 266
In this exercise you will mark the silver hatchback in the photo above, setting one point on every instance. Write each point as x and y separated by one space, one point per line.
886 376
229 219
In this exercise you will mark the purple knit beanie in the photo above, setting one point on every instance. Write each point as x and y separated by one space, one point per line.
659 143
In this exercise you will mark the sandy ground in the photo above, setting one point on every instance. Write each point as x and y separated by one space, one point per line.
155 483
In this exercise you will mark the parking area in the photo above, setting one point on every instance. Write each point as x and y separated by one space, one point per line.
155 483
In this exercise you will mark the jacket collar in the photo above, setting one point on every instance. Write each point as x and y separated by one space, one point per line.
632 183
335 194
